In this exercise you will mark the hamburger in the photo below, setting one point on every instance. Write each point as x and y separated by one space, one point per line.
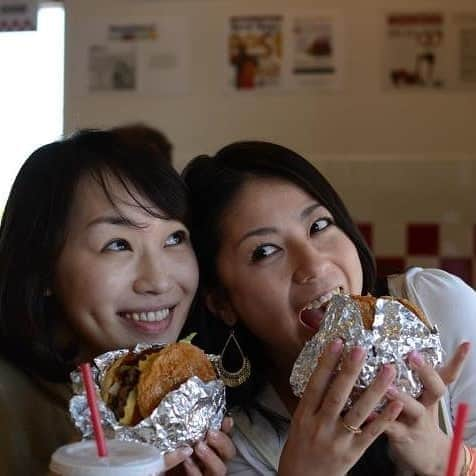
135 384
388 328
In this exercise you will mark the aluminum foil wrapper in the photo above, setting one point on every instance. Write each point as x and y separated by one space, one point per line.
396 332
182 418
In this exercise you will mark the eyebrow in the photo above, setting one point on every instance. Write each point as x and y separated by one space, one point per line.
113 220
270 230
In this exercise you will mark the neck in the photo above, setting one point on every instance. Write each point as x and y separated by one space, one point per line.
279 379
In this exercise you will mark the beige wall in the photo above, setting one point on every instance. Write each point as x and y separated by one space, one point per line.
396 157
359 121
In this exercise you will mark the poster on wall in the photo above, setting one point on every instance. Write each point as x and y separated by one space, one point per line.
255 52
18 15
147 57
463 49
314 49
414 51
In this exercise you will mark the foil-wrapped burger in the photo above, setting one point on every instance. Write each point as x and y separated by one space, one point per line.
165 395
388 328
137 382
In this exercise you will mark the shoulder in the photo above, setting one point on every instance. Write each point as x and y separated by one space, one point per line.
12 380
28 411
434 279
434 288
29 392
447 301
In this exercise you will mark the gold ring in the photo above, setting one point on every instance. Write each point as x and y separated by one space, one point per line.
353 429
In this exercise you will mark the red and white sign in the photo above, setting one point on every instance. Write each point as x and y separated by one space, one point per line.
18 15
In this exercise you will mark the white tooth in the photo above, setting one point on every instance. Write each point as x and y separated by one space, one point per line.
151 316
135 316
325 298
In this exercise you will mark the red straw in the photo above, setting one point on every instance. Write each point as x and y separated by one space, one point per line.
93 408
461 414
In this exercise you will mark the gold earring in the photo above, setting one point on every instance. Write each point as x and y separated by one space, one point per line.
233 379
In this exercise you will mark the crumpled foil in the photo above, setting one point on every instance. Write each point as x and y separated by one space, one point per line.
182 418
396 331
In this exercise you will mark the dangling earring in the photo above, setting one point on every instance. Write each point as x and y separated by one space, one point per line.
233 379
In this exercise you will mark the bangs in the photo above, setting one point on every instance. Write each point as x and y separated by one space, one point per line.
153 185
104 178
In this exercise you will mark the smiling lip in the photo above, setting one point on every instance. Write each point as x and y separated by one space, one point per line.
160 320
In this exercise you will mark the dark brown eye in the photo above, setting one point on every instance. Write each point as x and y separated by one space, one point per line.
176 238
320 224
117 245
263 251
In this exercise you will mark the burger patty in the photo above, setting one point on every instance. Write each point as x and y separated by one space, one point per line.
127 378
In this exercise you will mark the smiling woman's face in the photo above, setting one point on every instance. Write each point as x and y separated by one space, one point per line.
281 257
123 282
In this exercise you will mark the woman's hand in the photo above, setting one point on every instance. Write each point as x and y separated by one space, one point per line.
210 456
320 441
415 438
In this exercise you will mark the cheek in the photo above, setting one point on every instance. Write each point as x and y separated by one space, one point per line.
257 302
81 285
185 273
354 268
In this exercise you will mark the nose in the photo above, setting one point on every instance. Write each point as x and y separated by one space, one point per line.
309 263
152 276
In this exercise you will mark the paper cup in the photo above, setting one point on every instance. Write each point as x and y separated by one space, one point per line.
125 458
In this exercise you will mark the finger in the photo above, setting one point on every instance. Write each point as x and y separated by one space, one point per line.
339 390
321 377
449 373
221 444
227 424
364 406
433 385
176 457
191 468
211 462
376 427
412 408
397 431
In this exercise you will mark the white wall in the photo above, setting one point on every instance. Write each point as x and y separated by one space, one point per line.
361 121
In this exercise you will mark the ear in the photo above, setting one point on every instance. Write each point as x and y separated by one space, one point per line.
218 304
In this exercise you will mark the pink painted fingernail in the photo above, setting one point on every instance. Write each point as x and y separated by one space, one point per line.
416 358
465 346
201 448
387 371
185 451
336 346
357 354
392 392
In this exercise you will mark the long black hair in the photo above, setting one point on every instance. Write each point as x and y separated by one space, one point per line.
33 229
214 182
